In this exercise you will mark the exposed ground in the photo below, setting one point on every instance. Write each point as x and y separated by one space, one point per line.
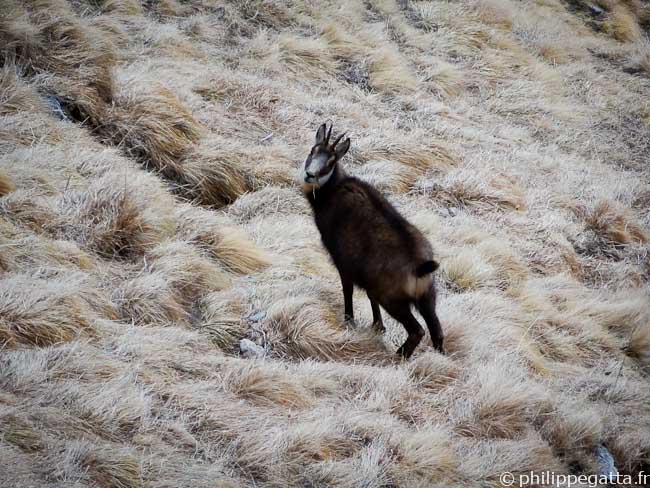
149 221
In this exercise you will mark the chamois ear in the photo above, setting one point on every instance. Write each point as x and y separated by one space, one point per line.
320 135
342 148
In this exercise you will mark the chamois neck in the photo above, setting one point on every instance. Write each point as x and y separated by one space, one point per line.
337 175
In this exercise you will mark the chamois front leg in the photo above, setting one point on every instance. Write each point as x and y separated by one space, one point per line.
377 322
348 288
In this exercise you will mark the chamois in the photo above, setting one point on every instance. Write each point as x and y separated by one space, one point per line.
371 244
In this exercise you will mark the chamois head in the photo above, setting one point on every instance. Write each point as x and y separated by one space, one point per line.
322 159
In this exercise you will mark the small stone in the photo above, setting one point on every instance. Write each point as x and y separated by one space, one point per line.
452 211
595 10
250 350
56 106
257 317
606 463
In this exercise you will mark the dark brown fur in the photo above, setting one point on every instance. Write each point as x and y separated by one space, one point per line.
375 248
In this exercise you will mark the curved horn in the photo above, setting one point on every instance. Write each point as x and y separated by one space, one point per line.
329 133
341 136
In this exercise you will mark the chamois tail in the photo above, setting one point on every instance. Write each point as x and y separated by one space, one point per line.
426 268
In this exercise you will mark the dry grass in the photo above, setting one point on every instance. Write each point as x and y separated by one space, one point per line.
213 178
258 384
295 327
150 220
225 243
41 312
613 224
222 319
6 184
388 73
177 275
468 187
105 466
425 455
108 221
306 57
76 58
623 24
623 20
152 126
15 94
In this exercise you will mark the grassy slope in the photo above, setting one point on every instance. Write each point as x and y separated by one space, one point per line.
143 237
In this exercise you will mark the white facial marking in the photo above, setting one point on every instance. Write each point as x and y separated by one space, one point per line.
316 166
323 179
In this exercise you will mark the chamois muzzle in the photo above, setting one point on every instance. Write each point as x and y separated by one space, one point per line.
317 167
310 177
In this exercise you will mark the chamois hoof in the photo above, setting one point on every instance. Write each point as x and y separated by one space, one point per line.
401 357
350 322
403 354
439 347
379 327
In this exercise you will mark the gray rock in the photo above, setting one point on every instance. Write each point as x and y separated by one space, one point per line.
56 107
257 317
250 350
595 10
606 463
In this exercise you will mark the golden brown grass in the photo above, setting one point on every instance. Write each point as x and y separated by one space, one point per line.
121 7
467 187
623 20
152 126
150 221
39 312
623 23
213 178
15 94
258 384
388 73
223 320
108 221
225 243
613 224
434 371
105 466
426 455
295 329
175 279
306 57
18 431
45 37
6 184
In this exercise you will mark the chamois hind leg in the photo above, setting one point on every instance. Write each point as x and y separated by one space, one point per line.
377 322
401 311
426 304
348 288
